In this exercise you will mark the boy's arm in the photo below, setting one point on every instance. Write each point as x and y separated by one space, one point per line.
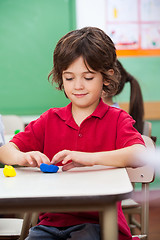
124 157
11 155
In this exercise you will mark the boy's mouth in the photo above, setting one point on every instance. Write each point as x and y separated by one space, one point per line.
79 94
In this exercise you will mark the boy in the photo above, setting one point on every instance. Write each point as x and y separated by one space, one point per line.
84 133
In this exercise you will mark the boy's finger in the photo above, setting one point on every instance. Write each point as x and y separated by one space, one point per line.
29 159
68 166
41 158
59 156
34 159
45 159
66 159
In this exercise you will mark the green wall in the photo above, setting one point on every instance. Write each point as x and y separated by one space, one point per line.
147 72
29 31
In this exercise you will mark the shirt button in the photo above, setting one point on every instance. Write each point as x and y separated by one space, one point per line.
80 135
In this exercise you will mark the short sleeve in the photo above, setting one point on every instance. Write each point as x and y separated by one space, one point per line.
32 139
127 135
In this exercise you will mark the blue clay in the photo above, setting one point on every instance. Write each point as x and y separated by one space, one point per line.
48 168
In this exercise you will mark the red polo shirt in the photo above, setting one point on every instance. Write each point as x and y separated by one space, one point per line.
106 129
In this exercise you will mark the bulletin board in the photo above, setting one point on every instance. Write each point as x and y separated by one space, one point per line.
134 26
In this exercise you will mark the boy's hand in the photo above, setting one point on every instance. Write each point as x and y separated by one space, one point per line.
33 159
78 159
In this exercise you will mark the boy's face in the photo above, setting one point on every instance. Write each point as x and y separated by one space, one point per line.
81 86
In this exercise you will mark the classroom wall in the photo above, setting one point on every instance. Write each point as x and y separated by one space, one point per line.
145 69
29 31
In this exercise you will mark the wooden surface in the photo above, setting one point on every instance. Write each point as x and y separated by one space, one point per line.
152 109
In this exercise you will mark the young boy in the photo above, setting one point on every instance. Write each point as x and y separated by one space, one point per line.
84 133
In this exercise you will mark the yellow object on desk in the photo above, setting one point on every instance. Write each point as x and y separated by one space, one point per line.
9 171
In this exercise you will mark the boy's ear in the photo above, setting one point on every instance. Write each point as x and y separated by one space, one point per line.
106 83
110 72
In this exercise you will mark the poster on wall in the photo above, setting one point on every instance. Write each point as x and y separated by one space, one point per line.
134 26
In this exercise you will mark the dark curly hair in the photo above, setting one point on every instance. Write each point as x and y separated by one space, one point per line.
97 50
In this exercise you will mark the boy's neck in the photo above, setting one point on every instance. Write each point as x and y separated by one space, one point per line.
80 114
108 100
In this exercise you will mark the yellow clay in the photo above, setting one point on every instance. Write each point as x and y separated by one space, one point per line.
9 171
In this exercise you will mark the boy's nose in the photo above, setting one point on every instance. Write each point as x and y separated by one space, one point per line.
78 84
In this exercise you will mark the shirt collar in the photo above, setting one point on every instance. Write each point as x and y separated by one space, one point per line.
100 110
65 113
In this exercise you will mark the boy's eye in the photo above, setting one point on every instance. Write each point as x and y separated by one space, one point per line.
89 78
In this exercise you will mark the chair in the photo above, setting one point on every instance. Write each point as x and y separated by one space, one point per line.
17 228
130 207
12 123
147 128
14 228
143 175
10 227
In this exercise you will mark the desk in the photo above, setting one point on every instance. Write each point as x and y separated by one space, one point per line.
95 188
